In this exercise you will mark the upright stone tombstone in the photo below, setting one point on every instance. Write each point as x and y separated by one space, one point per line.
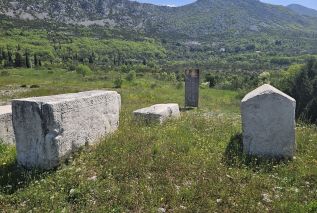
192 78
268 121
48 129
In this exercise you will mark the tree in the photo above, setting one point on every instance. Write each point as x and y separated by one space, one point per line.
100 7
131 76
144 61
4 55
84 70
302 92
18 59
311 67
10 62
36 61
264 78
91 58
1 56
27 60
212 79
118 82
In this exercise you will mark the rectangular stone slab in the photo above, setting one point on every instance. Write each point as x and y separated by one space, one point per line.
158 113
48 129
6 128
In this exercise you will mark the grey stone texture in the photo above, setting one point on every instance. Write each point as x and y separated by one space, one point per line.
268 120
48 129
157 114
6 128
192 83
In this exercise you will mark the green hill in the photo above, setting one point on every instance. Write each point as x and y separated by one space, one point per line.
197 20
301 10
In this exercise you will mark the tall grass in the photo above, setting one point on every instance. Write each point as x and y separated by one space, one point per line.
193 164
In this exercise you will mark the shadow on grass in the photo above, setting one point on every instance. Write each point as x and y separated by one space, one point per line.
14 177
186 109
235 157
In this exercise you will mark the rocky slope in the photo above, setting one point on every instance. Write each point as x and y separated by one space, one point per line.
199 19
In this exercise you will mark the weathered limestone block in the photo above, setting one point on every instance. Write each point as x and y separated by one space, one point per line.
48 129
158 113
6 128
268 120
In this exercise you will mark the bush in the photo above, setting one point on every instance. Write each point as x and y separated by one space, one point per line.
4 73
83 70
153 85
131 76
179 85
264 78
118 82
303 88
71 67
34 86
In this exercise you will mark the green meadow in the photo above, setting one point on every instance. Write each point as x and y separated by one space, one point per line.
194 164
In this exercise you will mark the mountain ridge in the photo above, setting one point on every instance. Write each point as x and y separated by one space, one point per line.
302 10
198 19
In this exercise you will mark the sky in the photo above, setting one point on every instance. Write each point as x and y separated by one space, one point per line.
307 3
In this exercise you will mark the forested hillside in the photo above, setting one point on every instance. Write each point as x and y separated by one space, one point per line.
301 10
197 20
215 35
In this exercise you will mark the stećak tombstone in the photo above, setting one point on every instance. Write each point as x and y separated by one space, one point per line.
192 78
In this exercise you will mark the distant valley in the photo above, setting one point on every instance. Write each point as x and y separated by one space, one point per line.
216 34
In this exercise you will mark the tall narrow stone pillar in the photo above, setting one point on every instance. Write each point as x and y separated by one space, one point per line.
192 78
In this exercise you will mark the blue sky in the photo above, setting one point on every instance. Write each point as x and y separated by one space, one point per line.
307 3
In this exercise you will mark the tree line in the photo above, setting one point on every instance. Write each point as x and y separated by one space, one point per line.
19 58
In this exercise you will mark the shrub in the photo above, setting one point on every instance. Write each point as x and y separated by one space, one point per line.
118 82
131 76
83 70
172 77
34 86
153 85
264 78
179 85
71 67
4 73
304 89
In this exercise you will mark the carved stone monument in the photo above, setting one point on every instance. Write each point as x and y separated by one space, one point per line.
48 129
268 120
192 78
158 113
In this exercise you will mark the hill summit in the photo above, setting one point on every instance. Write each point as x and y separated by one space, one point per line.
199 19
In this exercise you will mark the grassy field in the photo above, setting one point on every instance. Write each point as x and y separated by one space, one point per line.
193 164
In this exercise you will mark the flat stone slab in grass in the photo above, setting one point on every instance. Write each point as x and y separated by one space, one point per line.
268 120
48 129
6 128
158 113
